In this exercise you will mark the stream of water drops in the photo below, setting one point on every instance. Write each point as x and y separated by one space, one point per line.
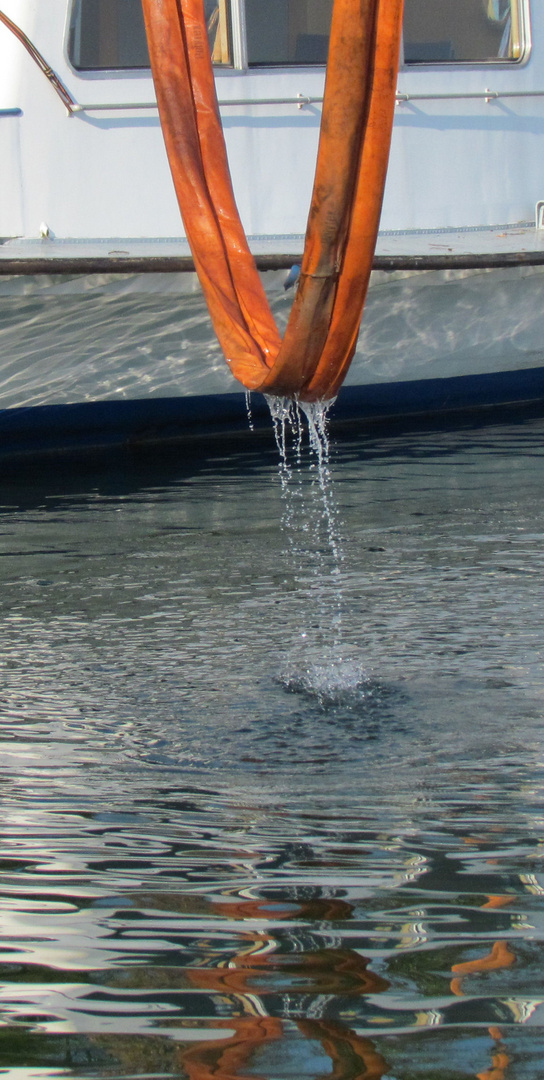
320 662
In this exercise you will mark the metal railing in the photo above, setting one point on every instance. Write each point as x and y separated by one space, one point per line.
301 100
475 95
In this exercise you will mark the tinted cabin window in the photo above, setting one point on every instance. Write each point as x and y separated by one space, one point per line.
288 31
442 31
110 34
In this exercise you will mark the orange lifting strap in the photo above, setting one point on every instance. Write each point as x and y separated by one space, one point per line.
313 358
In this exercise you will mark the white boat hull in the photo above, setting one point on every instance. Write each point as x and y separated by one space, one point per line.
140 351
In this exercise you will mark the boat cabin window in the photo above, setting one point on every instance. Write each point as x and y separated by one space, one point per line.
110 34
288 31
462 31
435 31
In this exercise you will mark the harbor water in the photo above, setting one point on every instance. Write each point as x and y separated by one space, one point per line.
271 771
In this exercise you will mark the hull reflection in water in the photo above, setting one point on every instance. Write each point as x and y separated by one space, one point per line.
224 853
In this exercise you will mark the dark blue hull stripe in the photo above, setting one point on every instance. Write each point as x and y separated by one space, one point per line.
103 424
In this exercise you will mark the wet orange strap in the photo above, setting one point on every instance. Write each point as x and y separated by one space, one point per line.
343 222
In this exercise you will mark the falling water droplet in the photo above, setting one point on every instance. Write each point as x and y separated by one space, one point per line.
249 412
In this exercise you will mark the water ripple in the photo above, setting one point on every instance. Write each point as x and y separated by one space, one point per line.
227 845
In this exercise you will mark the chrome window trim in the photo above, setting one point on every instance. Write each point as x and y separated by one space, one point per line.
237 9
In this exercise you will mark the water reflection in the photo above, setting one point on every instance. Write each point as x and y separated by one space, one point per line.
306 980
215 859
270 992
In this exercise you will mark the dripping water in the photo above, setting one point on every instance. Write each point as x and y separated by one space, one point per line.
248 411
320 662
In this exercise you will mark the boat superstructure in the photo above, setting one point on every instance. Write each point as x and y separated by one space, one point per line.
466 147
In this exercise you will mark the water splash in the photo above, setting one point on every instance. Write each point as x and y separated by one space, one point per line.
320 662
330 680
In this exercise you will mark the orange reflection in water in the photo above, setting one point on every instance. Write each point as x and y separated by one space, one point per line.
330 909
320 971
222 1059
252 974
498 901
501 956
352 1056
499 1059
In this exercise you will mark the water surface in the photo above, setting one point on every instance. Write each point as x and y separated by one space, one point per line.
265 814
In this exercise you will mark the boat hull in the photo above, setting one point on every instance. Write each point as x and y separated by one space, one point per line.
106 360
